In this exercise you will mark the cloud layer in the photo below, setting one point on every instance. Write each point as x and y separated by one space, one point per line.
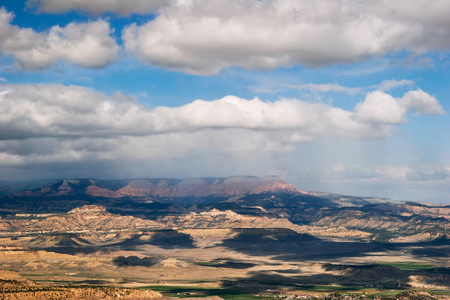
381 108
98 6
56 110
204 37
55 130
75 120
324 88
88 45
388 172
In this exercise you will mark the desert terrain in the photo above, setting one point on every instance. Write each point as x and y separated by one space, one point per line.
181 247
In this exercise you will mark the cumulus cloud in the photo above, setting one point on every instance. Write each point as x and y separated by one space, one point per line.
85 44
422 103
47 110
379 107
73 131
204 37
53 123
57 110
99 6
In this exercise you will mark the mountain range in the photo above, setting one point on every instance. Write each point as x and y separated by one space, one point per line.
233 202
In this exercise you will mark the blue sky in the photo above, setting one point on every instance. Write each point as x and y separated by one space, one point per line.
346 97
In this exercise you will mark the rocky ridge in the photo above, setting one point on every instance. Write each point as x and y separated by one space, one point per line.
16 290
216 219
163 188
95 219
233 202
88 218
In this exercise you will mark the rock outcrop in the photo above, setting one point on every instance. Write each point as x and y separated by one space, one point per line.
218 203
85 219
15 290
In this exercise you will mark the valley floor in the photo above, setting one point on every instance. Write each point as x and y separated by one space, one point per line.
202 262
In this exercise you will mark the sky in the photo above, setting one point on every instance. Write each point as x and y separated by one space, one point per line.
339 96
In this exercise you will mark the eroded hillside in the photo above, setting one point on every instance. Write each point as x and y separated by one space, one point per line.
239 233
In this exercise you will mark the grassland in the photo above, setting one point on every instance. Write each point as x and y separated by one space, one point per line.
410 265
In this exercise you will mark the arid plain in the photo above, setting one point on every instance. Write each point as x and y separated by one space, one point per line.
246 243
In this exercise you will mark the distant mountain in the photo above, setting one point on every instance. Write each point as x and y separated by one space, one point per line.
8 187
168 188
233 202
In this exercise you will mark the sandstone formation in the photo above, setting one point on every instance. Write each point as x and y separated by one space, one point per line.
85 219
233 202
15 290
216 219
93 219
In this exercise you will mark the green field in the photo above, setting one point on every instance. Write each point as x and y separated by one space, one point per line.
410 265
184 292
237 294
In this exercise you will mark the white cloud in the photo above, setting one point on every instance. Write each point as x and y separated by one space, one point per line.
57 110
327 87
379 107
390 172
86 44
382 108
56 130
388 85
441 173
204 37
384 86
79 127
99 6
422 103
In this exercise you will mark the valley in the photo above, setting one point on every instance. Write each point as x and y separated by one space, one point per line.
258 237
